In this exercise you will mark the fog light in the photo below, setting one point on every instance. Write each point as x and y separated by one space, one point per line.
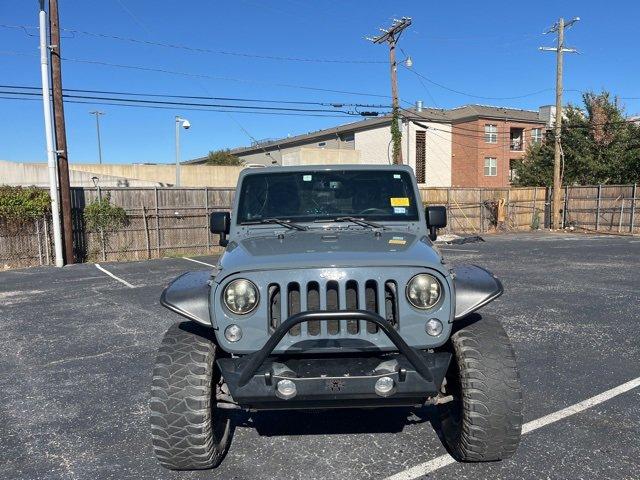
286 389
233 333
385 386
433 327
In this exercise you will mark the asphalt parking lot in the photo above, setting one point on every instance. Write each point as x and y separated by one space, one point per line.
77 350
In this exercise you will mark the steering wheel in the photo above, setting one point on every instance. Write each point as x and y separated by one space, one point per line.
373 211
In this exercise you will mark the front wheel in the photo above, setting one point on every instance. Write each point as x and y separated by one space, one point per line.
187 431
483 422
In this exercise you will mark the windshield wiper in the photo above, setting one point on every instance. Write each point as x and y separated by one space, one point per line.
285 223
360 221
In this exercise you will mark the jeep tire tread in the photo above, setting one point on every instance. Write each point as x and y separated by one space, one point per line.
484 421
188 432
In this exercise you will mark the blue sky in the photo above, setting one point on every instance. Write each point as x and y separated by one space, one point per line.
487 49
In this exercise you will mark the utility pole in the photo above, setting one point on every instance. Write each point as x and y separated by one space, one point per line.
97 114
391 36
560 49
61 134
48 130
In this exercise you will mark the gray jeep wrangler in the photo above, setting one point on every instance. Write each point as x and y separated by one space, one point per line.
330 294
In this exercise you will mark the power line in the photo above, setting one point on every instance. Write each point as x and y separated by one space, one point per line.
199 97
136 20
203 50
177 108
459 92
192 104
428 92
201 75
25 29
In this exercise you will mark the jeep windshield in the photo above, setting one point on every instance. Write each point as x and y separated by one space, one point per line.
312 196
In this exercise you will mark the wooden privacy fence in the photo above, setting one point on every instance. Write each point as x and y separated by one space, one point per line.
161 222
174 221
602 208
479 210
608 208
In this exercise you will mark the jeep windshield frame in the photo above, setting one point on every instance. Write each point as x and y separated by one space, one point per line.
316 196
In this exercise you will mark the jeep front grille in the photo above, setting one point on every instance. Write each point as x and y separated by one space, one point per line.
371 295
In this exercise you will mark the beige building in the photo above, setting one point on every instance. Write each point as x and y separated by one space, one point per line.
426 146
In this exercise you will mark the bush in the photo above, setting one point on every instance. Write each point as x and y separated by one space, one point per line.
101 216
223 158
23 203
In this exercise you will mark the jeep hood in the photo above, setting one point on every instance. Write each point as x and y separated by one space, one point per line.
329 248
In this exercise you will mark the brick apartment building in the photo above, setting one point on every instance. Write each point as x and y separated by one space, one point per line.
486 141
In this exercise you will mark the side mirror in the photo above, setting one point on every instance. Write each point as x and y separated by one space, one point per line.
220 223
436 218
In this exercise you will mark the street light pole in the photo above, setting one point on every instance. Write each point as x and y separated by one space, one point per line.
186 125
97 114
48 130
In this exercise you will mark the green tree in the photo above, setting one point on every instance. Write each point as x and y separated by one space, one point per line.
223 157
599 146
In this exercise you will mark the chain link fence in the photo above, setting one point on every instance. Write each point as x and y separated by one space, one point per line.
25 243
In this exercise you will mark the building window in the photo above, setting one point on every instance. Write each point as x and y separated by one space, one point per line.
513 174
516 139
322 144
490 167
536 135
421 156
491 133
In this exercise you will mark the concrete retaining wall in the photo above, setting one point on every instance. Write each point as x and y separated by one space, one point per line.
109 175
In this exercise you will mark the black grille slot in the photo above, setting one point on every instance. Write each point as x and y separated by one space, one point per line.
313 304
371 302
293 305
333 303
375 297
275 316
351 297
391 302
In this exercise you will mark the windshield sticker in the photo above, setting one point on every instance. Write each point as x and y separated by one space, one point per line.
397 241
306 178
399 210
399 201
397 176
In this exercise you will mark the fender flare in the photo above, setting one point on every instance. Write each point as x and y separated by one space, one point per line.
188 295
474 288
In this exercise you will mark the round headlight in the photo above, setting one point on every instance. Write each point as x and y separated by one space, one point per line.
240 296
423 291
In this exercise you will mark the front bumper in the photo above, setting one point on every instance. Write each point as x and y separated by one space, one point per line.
339 381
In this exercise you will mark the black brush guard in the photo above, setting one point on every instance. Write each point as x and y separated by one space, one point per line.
253 379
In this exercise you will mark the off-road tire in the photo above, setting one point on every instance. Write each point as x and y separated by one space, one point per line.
484 421
187 431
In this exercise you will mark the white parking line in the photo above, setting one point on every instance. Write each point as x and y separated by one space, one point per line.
113 276
444 460
198 261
